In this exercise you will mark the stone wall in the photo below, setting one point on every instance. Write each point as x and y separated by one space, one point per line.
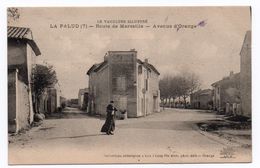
99 91
123 80
23 104
18 103
245 76
12 101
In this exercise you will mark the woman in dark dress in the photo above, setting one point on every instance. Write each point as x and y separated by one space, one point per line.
109 125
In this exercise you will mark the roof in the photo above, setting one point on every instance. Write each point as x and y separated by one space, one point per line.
149 66
23 33
97 67
246 42
236 75
19 32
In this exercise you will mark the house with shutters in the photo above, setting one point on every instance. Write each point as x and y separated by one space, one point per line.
131 83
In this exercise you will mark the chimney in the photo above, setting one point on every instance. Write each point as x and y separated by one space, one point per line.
146 60
106 57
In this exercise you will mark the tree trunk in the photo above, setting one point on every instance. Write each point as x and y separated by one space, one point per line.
184 99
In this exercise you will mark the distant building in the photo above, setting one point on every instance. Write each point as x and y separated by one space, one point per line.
51 100
73 103
21 52
83 99
226 95
245 75
131 83
202 99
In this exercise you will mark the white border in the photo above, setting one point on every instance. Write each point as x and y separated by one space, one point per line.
69 3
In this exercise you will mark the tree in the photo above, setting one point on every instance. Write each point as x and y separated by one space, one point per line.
13 14
43 77
190 83
177 86
194 82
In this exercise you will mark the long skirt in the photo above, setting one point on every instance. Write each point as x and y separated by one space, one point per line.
109 125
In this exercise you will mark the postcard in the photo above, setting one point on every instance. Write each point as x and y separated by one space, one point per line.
113 85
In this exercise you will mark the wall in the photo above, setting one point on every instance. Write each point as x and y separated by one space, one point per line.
216 97
81 94
23 104
245 78
12 101
18 103
43 103
17 50
141 76
30 63
148 98
154 93
52 100
123 79
201 99
99 90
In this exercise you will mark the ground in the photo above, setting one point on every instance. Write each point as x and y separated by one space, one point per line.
171 136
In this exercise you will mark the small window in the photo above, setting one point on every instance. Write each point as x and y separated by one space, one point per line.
146 84
140 69
119 83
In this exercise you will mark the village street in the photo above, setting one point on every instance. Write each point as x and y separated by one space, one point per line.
171 135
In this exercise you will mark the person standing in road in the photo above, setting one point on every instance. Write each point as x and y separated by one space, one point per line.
109 125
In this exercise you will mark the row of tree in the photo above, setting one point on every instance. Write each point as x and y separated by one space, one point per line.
179 86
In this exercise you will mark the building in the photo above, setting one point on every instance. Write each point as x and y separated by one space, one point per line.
226 94
51 100
73 103
21 52
245 75
83 99
202 99
131 83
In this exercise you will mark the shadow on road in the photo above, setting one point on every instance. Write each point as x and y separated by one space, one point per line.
163 125
66 115
45 129
79 136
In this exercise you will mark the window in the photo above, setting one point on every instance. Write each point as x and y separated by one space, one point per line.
119 83
140 69
146 84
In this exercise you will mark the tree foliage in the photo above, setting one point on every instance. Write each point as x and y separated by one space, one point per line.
180 85
43 76
13 13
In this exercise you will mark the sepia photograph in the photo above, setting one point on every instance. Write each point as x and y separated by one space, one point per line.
124 85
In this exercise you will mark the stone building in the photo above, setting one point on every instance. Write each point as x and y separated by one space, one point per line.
51 100
83 99
226 94
245 75
131 83
202 99
21 52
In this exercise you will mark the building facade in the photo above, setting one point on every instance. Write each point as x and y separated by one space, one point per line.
202 99
83 99
245 75
51 100
131 83
21 52
226 94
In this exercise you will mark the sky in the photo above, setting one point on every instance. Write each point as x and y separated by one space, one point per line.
211 51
